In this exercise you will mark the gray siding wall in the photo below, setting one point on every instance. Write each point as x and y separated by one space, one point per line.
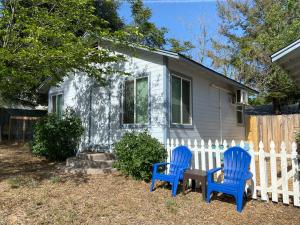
106 115
206 108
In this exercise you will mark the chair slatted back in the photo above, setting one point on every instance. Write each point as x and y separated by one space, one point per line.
236 163
181 156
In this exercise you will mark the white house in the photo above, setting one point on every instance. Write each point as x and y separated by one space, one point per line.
289 59
167 94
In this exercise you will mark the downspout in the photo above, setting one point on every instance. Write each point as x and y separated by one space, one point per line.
90 115
166 134
109 115
220 117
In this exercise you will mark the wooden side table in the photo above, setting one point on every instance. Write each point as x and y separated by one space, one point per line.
195 175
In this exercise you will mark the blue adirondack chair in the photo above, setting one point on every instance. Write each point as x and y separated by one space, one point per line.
236 173
180 161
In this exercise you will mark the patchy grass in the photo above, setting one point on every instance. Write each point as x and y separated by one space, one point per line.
46 195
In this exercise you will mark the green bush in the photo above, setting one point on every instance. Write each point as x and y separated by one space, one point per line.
136 154
298 138
57 138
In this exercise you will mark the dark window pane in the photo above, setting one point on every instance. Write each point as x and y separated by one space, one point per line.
240 115
59 104
176 100
129 102
238 95
142 100
54 104
186 109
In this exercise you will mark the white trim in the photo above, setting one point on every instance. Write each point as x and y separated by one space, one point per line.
281 53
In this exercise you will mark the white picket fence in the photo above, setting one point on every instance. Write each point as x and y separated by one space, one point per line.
275 175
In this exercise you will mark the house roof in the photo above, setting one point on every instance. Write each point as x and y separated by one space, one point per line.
44 87
182 57
289 59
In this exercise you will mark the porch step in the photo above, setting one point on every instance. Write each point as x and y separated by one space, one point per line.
96 156
77 163
89 170
91 163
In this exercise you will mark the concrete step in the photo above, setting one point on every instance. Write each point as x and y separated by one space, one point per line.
96 156
89 170
86 163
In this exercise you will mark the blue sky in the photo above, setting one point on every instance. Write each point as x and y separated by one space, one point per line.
182 18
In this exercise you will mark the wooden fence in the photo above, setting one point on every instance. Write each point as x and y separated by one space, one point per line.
18 129
279 128
275 175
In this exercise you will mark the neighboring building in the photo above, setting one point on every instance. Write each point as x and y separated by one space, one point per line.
17 121
289 59
168 94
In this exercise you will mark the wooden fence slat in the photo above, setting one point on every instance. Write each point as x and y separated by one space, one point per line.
262 172
203 161
285 196
210 155
253 170
295 168
273 167
196 155
218 157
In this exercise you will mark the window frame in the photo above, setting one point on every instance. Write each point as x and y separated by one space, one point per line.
56 102
185 78
130 125
243 115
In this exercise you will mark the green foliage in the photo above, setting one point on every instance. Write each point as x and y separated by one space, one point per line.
177 46
57 138
55 179
14 182
298 137
253 30
151 35
50 38
136 154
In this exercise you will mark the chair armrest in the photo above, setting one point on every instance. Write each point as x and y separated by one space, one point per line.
248 176
156 165
211 172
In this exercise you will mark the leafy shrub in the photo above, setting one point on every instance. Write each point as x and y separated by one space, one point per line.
298 138
136 154
56 137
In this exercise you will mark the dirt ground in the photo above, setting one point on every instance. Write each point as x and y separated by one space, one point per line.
34 191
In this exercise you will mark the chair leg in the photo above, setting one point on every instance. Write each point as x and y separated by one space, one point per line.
239 202
208 193
174 188
152 185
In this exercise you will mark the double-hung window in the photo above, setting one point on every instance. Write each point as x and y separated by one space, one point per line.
135 101
240 115
181 100
57 104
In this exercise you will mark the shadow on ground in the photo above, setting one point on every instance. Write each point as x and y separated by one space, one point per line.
17 162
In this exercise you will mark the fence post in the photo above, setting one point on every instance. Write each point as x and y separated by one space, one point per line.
202 148
192 149
262 173
295 168
253 171
233 143
273 167
242 144
285 195
225 145
210 155
218 157
196 154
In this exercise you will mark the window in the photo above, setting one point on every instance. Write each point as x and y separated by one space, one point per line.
135 104
181 100
57 104
240 115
